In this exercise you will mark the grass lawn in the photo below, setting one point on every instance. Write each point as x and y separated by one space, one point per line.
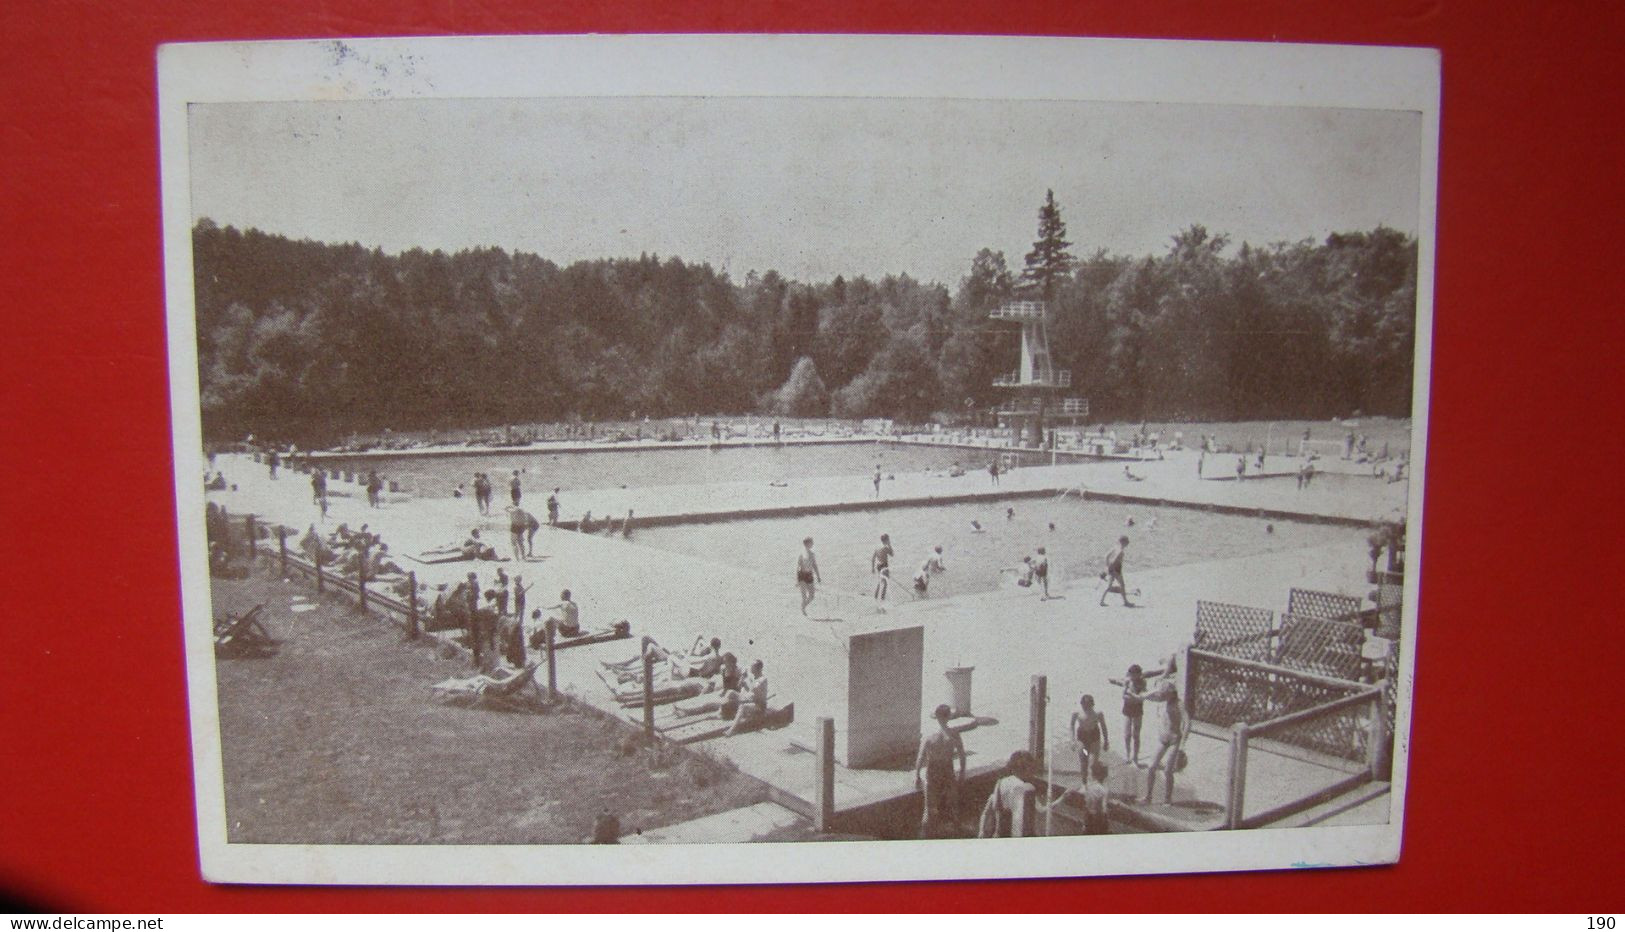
336 739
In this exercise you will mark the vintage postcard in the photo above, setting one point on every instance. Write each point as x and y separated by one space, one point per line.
649 460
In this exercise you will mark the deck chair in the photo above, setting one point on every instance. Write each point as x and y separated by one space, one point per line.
243 635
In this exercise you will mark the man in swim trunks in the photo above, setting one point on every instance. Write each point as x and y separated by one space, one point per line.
1114 573
567 617
1041 570
807 572
1089 731
880 565
1172 738
522 527
514 490
553 508
936 758
877 482
993 471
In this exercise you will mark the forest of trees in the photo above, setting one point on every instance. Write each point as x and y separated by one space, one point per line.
309 340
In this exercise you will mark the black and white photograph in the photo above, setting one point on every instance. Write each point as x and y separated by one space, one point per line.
793 459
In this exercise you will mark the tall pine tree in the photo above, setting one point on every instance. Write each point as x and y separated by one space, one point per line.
1049 260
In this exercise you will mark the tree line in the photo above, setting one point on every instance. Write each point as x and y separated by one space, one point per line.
311 340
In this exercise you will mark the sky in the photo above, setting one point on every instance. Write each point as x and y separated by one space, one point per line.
810 187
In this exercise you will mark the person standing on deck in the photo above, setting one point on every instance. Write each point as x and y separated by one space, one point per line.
1133 684
553 508
993 471
880 565
273 461
1088 726
514 489
941 787
877 480
1174 728
1114 573
807 574
375 486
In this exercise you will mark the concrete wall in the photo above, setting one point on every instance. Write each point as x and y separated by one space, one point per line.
869 683
883 695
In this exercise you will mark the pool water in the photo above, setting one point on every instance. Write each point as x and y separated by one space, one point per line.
619 465
979 561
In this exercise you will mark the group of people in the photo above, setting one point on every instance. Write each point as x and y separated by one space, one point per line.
1015 804
351 553
808 577
494 615
1033 572
708 679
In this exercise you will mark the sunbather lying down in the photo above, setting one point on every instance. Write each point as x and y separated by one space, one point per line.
700 660
662 691
501 679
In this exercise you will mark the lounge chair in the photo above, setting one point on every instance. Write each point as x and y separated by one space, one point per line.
243 635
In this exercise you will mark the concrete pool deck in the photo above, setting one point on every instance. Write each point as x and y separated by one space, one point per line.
1008 637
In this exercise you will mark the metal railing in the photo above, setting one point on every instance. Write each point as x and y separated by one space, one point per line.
1019 310
1058 378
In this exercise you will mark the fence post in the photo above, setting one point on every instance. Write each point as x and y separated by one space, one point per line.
411 605
825 762
552 665
248 524
1037 699
648 693
361 575
282 548
1237 794
1376 738
474 633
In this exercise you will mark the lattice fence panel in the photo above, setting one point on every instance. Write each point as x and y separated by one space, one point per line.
1334 606
1234 630
1225 693
1316 645
1390 603
1390 685
1343 733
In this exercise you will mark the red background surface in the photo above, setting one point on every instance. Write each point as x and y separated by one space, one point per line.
1515 795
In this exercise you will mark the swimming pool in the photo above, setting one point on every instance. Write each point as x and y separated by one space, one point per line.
1083 533
620 465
